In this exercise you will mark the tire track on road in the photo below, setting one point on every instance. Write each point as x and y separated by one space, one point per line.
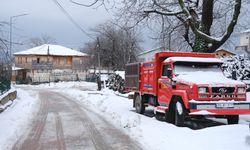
59 133
99 140
33 138
96 138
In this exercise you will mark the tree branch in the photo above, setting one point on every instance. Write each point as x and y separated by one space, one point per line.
208 38
165 13
89 5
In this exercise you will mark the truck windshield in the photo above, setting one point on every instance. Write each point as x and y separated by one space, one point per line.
187 67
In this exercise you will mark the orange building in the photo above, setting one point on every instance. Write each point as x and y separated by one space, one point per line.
222 53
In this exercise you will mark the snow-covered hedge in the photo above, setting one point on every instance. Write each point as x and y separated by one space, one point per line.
238 64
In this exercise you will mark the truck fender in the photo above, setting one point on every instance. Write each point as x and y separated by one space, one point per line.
183 95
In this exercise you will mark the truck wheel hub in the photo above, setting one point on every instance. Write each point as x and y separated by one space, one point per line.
179 108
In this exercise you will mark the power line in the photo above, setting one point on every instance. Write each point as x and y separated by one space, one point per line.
71 19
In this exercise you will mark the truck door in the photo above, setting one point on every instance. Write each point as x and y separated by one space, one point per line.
165 85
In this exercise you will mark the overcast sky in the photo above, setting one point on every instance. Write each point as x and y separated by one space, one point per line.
44 17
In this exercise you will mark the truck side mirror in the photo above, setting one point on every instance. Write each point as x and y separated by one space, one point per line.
169 73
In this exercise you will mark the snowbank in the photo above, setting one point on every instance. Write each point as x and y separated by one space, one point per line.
15 118
6 93
64 85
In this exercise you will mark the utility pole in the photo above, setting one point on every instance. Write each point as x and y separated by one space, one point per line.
248 44
98 49
11 18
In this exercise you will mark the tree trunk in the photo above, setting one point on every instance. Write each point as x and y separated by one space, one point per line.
200 44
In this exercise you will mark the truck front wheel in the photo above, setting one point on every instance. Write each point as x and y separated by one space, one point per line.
139 105
177 112
233 119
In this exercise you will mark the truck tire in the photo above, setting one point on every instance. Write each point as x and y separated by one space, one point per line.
177 113
233 119
139 105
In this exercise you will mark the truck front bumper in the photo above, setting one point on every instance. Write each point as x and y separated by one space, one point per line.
219 107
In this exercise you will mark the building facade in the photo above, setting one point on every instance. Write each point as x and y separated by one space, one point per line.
222 53
244 43
47 63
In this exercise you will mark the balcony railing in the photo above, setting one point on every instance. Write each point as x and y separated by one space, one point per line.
42 65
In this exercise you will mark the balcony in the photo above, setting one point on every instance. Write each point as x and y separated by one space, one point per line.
42 65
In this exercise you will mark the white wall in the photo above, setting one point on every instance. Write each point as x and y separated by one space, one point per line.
244 39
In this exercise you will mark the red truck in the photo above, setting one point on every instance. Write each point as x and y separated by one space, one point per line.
186 84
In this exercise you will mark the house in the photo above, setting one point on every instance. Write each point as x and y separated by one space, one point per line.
222 53
48 62
244 47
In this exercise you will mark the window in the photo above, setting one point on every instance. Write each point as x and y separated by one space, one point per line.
26 59
19 60
69 60
38 60
165 70
65 60
57 60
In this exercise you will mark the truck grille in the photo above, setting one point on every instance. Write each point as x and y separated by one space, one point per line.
223 90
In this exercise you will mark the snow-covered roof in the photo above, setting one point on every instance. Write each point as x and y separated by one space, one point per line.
16 68
194 59
50 49
229 51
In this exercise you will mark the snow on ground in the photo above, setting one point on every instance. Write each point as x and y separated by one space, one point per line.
15 118
64 85
153 134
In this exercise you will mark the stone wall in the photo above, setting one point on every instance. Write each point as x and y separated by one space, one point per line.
6 99
56 75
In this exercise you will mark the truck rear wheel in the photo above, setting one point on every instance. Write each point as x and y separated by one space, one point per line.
139 105
233 119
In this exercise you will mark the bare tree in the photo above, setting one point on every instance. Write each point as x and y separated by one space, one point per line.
194 21
44 39
115 46
5 64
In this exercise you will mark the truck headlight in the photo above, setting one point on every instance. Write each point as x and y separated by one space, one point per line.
203 90
241 90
